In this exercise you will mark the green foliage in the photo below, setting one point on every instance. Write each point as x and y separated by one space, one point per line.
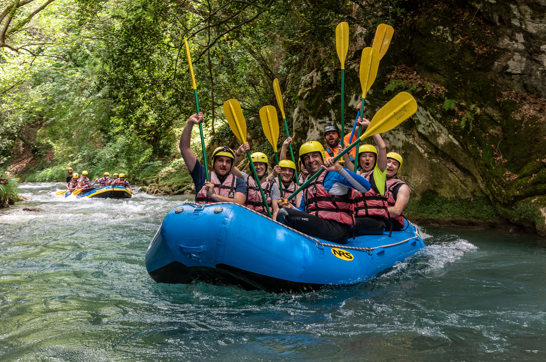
449 104
8 190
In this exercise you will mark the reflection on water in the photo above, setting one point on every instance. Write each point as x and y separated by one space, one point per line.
73 286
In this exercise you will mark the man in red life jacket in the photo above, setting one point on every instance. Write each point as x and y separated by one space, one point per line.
223 185
73 184
84 181
398 191
326 209
371 214
103 181
123 182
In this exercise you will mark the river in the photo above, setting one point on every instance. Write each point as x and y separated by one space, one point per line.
73 286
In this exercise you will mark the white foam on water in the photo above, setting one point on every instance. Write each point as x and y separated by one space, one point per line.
439 255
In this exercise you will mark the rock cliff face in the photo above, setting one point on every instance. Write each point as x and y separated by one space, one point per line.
475 150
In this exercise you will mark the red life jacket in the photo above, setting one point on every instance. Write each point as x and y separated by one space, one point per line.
84 181
321 203
104 181
287 191
73 183
123 183
371 203
226 189
393 185
254 199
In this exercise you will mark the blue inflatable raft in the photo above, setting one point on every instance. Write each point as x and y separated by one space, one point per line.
227 243
113 192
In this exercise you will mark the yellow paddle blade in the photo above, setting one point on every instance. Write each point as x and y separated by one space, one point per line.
278 95
60 192
236 120
382 39
194 86
368 69
270 125
396 111
342 42
76 191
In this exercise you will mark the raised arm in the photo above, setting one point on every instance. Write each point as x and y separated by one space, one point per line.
284 149
185 141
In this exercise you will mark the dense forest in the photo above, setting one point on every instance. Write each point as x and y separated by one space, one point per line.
104 85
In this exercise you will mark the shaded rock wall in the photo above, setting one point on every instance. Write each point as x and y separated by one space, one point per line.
477 71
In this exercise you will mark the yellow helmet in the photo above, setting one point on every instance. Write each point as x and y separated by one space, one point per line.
312 146
116 174
259 157
223 151
288 164
69 169
121 175
107 174
397 157
367 148
84 173
75 175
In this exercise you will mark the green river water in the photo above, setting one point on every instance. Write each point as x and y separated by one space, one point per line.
73 286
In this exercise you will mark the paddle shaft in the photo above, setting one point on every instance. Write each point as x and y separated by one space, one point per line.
258 182
291 150
343 108
280 180
358 139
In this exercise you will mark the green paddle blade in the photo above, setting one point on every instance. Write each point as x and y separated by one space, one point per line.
396 111
382 39
278 95
368 69
270 125
342 42
236 120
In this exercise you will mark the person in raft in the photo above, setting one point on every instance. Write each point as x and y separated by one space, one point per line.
333 139
84 181
114 179
326 210
69 177
371 214
73 184
398 192
287 170
303 174
223 185
122 181
254 200
103 181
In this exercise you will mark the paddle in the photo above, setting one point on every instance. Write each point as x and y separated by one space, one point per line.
194 86
342 46
369 63
270 125
237 124
60 192
381 42
278 95
397 110
382 39
76 192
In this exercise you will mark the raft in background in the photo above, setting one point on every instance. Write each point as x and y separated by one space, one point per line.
112 192
226 243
